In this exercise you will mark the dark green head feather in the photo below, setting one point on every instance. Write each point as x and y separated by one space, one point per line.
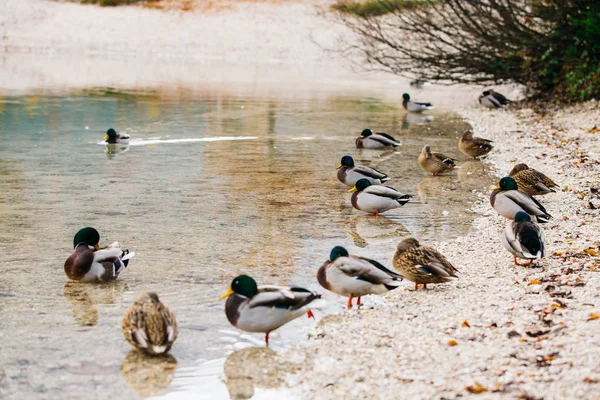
362 184
88 235
366 132
336 252
406 96
244 285
522 217
111 133
508 183
348 161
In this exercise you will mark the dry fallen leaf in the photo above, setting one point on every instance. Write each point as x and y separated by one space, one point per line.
476 389
534 282
591 252
587 379
465 324
594 130
593 316
452 342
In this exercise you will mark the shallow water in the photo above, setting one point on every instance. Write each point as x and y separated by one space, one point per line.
211 186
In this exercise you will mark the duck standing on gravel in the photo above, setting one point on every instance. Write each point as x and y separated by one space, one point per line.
474 146
253 308
355 276
98 265
112 137
370 140
507 200
523 238
349 173
422 264
532 182
376 199
492 99
414 106
149 325
435 163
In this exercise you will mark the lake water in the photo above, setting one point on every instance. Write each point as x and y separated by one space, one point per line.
212 185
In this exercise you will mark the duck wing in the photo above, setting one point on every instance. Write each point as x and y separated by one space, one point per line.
369 172
292 298
482 143
432 262
386 191
500 98
527 203
385 139
443 158
530 238
367 270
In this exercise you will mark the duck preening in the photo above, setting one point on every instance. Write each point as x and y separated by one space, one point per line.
355 276
523 238
370 140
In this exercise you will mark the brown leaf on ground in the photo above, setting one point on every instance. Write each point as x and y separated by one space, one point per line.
476 389
465 324
594 130
452 342
593 316
534 282
587 379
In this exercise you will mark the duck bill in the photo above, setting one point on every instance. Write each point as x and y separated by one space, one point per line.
225 295
497 187
105 137
339 166
352 190
97 246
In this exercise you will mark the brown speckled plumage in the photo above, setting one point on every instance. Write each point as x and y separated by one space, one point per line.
149 325
474 146
411 257
532 182
435 163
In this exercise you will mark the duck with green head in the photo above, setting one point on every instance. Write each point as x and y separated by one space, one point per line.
376 199
370 140
531 181
90 263
253 308
422 264
414 106
355 276
349 173
112 137
523 238
508 200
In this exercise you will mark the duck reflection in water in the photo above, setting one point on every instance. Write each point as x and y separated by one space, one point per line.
112 149
84 298
253 367
415 119
148 375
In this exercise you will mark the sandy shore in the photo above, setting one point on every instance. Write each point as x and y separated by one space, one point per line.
521 332
526 332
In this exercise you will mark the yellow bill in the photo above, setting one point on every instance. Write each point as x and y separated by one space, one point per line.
105 137
339 166
352 190
497 187
228 293
97 246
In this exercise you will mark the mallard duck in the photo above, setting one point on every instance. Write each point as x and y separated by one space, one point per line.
355 276
507 200
492 99
523 238
255 308
474 146
98 265
413 106
149 325
435 163
376 199
349 174
422 264
370 140
112 137
532 182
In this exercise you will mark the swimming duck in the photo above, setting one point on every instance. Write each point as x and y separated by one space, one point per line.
523 238
435 163
507 200
474 146
349 174
149 325
98 265
532 182
255 308
492 99
413 106
376 199
112 137
422 264
355 276
370 140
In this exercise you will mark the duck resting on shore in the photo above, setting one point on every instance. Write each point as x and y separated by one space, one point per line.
507 200
370 140
422 264
532 182
474 146
253 308
355 276
97 265
414 106
149 325
349 173
492 99
376 199
523 238
112 137
435 163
